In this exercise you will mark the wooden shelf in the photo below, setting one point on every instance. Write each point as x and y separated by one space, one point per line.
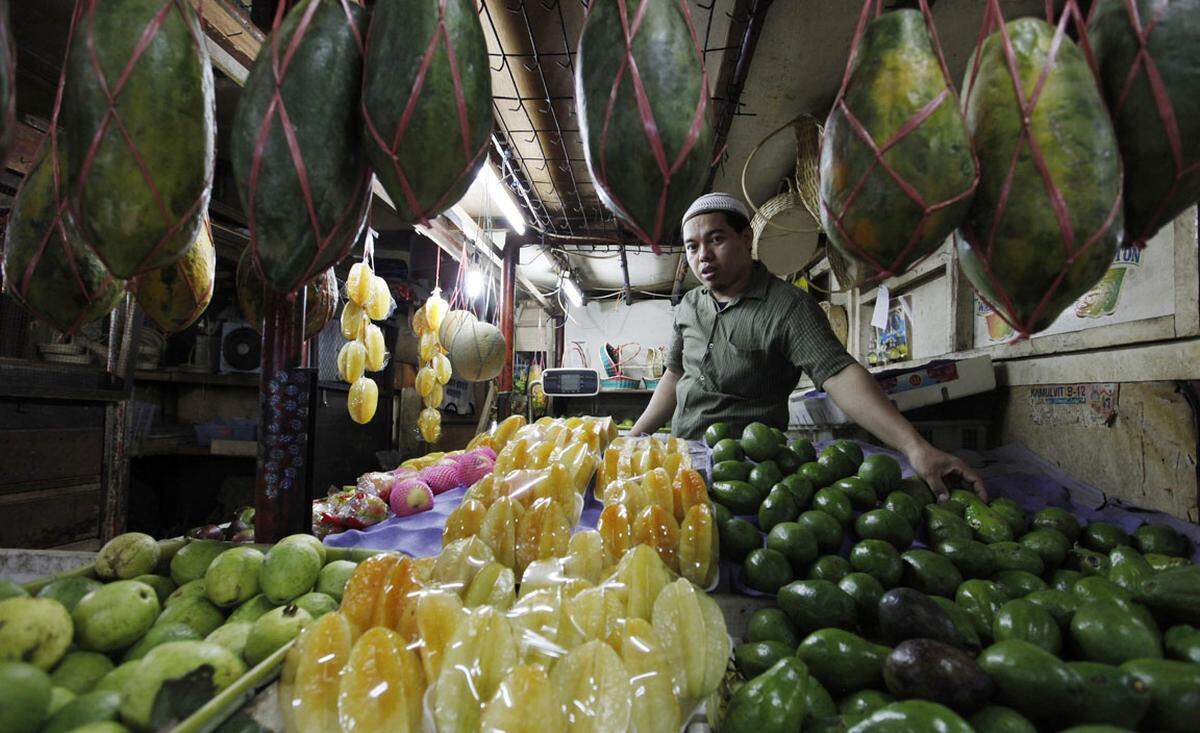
236 448
183 377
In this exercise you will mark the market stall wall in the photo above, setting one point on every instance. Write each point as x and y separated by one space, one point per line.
645 323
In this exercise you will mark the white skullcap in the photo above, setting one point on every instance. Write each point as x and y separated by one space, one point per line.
716 201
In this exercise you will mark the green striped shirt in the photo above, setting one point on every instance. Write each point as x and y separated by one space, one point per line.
738 364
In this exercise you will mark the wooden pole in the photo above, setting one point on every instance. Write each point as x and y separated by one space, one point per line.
508 286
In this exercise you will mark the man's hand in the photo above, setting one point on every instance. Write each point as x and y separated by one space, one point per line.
936 466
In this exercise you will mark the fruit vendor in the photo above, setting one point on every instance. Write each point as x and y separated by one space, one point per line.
743 338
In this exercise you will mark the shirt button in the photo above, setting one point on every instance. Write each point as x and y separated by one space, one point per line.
710 347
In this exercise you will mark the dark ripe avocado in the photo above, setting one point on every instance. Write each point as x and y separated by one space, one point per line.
879 560
801 488
905 506
829 567
861 493
886 525
930 573
835 503
766 571
1018 583
727 449
1112 696
804 450
816 604
905 614
973 559
1059 519
1160 539
817 474
1033 681
1050 545
717 432
1174 693
882 471
866 592
772 624
841 661
1020 619
760 442
824 527
797 543
1103 537
935 671
738 538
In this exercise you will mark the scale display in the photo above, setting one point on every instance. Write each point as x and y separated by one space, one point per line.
570 382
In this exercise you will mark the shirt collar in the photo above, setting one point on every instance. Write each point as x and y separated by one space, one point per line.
756 289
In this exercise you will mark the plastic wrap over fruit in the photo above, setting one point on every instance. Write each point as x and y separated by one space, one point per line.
352 361
436 396
354 321
429 422
694 638
358 284
378 483
310 682
486 490
655 708
504 431
594 685
439 612
699 546
689 490
536 618
428 347
352 509
512 456
459 562
494 585
591 614
362 591
464 521
550 573
639 578
499 530
377 353
396 604
657 528
478 657
526 702
616 532
381 686
362 400
382 303
585 556
542 531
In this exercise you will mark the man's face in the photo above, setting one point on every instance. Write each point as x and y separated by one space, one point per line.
717 254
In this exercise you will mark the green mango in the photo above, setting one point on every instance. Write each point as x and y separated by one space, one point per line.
879 559
1033 681
797 543
1018 583
843 662
1182 642
79 671
731 471
251 610
930 573
1103 537
1020 619
772 702
1174 693
829 567
754 658
1050 545
980 600
824 527
778 507
913 715
1059 604
162 585
190 589
1127 568
1174 591
988 526
1115 631
1096 587
192 560
9 589
866 592
858 705
904 505
115 615
973 559
999 719
171 661
772 624
886 525
1059 520
1012 513
160 634
835 503
68 591
943 524
861 492
1013 556
1160 539
198 613
817 604
1112 696
272 630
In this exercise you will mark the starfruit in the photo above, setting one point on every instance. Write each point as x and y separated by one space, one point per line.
512 457
428 347
504 431
382 685
486 490
479 656
526 702
494 585
557 485
396 607
434 399
542 531
656 527
312 673
420 326
592 614
464 521
536 618
689 490
353 321
655 708
585 556
459 562
539 455
377 355
423 569
425 380
441 368
699 546
351 361
436 309
676 462
358 284
439 612
654 456
550 573
625 465
380 306
362 400
694 639
481 440
594 685
499 530
608 467
639 578
656 485
616 532
429 421
364 588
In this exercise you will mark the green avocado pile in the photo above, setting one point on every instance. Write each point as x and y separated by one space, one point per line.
1003 622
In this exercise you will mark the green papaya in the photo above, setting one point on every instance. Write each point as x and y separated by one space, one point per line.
907 716
1026 260
1161 180
802 490
1174 591
1020 619
648 174
818 703
882 471
797 543
960 499
931 670
764 475
1174 693
302 224
1088 561
140 167
1114 631
843 662
973 559
320 296
46 266
1033 681
1112 696
1159 539
839 464
980 600
772 702
930 573
1182 642
1065 580
427 101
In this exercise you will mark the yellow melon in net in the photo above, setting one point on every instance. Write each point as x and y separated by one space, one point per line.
377 354
441 368
352 361
173 297
477 351
452 322
358 284
362 400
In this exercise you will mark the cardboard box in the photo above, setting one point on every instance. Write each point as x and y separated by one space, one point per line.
906 388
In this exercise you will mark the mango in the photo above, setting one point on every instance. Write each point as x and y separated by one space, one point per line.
127 556
115 680
317 604
289 571
162 585
115 616
34 630
195 612
9 589
171 661
232 636
190 589
90 708
274 629
160 634
80 671
59 696
193 559
232 578
306 540
249 611
26 697
333 578
68 591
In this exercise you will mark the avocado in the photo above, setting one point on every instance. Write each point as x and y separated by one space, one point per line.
1174 591
738 538
878 559
1103 537
1162 562
738 497
1088 562
797 543
973 559
988 526
1065 580
905 614
916 487
1058 519
771 702
717 432
1059 604
843 662
882 471
1020 619
908 716
1050 545
801 488
824 527
1114 631
861 493
1127 568
1012 513
935 671
943 524
960 499
818 703
778 507
858 705
866 592
727 449
764 476
1013 556
817 474
788 461
962 622
835 503
731 471
852 450
980 600
1174 693
804 449
1018 583
766 571
930 573
759 442
754 658
772 624
1112 696
1033 681
1159 539
999 719
1182 642
904 505
816 604
839 464
1096 588
886 525
829 567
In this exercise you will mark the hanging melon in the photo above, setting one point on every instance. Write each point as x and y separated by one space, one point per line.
173 297
643 107
1046 218
477 351
46 266
427 102
451 323
8 83
139 128
320 299
296 145
1148 52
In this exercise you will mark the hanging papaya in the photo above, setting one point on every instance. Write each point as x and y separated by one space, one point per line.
46 266
1148 54
139 130
1046 218
8 83
173 297
296 148
897 108
427 102
641 93
320 298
